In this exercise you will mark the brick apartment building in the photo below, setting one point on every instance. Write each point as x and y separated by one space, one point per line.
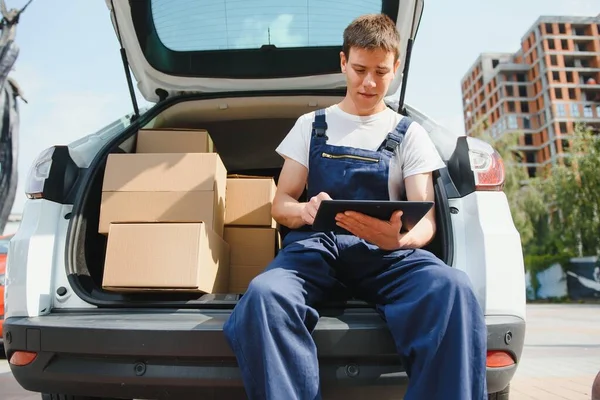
541 91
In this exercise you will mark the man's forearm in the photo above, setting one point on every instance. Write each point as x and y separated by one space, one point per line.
419 236
288 211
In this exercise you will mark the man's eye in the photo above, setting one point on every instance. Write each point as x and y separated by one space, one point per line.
359 71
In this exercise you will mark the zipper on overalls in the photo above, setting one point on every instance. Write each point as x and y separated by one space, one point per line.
336 156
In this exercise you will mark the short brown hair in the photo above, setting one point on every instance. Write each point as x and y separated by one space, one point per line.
372 31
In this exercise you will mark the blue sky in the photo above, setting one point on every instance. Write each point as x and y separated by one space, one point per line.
70 70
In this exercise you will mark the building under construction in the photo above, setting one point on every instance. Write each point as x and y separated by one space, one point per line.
541 91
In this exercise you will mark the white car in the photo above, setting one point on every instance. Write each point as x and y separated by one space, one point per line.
245 71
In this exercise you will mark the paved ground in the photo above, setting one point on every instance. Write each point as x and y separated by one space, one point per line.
562 353
561 356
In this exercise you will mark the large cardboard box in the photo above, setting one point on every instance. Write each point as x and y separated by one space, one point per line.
251 251
249 201
164 188
174 141
166 256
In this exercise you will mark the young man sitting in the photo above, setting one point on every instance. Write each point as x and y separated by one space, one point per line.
430 308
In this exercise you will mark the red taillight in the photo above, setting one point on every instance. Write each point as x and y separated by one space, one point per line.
487 166
499 359
22 358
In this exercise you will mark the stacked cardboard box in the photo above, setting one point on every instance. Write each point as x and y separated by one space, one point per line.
163 209
250 229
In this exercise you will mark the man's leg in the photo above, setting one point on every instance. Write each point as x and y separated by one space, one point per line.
438 325
270 328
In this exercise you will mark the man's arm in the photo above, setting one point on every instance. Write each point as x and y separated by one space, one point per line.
386 234
419 187
286 209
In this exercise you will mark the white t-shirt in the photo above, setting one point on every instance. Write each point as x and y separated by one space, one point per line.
416 154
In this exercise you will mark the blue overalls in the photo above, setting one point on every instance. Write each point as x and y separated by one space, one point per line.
429 307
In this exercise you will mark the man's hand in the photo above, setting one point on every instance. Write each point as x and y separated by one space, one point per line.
383 234
309 211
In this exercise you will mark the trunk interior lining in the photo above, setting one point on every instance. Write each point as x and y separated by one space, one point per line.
246 142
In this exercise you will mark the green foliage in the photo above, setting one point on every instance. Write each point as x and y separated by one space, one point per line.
535 263
557 214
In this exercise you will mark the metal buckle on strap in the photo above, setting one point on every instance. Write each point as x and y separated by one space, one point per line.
391 144
320 127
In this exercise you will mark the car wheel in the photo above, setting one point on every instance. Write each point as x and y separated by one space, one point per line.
46 396
502 395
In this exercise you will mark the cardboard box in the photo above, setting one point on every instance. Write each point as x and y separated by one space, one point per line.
249 201
251 251
174 141
164 188
166 256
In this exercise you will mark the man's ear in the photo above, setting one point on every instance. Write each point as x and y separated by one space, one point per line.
343 62
396 66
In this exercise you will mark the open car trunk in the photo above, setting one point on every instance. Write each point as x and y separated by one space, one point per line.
245 131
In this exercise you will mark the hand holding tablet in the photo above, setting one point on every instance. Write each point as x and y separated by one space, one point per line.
412 212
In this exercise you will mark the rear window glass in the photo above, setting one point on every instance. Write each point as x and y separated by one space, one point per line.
193 25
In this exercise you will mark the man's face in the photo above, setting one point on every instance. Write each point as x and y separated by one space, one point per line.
369 74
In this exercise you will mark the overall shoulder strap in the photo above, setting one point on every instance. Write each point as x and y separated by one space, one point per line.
319 124
395 138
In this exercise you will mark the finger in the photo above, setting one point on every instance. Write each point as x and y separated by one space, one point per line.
365 221
396 219
323 196
349 227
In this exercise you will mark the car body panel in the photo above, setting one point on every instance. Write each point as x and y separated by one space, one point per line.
133 353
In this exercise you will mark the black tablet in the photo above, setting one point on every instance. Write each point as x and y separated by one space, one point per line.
413 212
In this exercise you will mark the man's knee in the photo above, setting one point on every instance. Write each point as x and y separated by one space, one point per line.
446 279
268 285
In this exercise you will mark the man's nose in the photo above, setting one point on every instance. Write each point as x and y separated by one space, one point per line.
369 82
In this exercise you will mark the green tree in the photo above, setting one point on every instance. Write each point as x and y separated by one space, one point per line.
573 191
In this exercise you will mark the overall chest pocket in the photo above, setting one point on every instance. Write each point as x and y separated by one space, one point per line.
349 157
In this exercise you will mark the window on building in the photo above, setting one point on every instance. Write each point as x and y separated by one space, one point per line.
562 28
555 76
564 44
558 93
511 106
551 44
509 91
521 77
562 126
523 91
530 157
512 122
598 111
570 76
528 140
575 110
553 60
561 110
565 144
524 107
572 94
549 28
526 123
587 112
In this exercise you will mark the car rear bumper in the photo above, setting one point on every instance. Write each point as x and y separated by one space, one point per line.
184 354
